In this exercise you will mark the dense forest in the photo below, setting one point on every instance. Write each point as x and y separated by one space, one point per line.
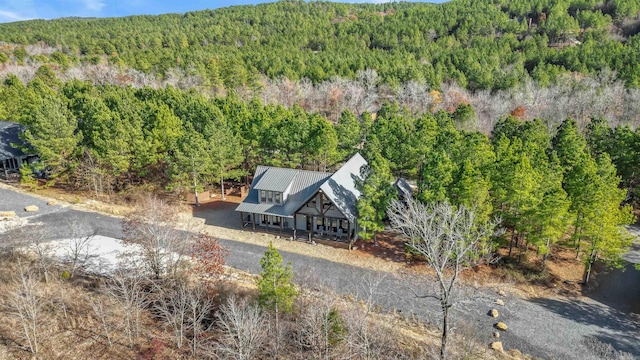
494 44
520 109
109 138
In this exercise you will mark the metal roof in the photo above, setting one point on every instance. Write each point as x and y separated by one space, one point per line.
404 188
341 188
303 185
276 179
10 134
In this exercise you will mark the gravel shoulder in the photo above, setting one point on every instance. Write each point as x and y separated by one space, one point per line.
548 328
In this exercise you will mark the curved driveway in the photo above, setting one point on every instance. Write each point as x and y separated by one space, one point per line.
545 328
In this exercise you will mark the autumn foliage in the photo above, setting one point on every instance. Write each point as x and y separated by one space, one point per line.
209 255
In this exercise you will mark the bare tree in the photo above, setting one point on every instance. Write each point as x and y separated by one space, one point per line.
25 303
319 328
153 227
199 307
364 338
243 327
79 245
127 291
450 239
173 307
102 312
35 237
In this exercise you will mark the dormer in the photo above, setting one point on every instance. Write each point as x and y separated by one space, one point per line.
274 185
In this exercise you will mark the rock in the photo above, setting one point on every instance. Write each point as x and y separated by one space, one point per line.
31 208
7 213
52 203
500 302
501 326
496 334
502 293
497 346
494 313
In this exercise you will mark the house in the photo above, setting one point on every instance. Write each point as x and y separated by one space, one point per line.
11 156
405 190
316 202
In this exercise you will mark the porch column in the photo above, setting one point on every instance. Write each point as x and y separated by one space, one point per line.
4 168
253 221
241 219
313 225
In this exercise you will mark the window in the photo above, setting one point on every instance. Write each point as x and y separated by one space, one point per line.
276 220
278 199
265 219
263 196
270 197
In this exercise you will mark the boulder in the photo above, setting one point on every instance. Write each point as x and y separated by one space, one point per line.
494 313
52 203
31 208
496 334
7 213
497 346
500 302
501 326
502 293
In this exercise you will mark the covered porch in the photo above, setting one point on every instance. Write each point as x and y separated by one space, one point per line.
308 226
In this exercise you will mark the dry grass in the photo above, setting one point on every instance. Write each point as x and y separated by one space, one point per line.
69 327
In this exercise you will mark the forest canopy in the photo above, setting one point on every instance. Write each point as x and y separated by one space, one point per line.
493 44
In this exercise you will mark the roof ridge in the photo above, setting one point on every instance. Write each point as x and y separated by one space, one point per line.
292 169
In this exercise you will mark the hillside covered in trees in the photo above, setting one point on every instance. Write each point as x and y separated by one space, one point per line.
492 44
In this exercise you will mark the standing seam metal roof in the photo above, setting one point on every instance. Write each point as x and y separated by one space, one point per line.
10 134
340 188
276 179
305 184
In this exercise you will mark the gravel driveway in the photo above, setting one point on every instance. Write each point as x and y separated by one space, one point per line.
545 328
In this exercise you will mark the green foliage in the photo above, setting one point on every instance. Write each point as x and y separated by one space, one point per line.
276 290
377 192
475 43
335 327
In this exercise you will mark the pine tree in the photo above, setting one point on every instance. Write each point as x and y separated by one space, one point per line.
376 192
275 287
551 217
604 223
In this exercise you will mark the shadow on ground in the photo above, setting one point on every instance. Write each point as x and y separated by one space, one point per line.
219 213
618 328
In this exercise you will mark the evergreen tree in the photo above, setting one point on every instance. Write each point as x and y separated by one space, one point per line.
276 290
52 133
604 222
376 192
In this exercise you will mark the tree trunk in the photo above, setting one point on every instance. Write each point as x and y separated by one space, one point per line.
222 185
195 188
544 257
587 270
375 238
445 330
513 233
